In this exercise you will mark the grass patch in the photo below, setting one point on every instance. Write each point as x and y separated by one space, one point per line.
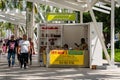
117 55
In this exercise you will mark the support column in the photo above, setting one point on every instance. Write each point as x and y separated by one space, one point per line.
29 19
32 22
16 31
99 35
112 30
111 66
81 17
38 42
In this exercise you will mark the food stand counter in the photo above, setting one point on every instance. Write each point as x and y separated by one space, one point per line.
67 58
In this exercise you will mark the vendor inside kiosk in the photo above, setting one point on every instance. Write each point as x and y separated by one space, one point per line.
69 45
83 45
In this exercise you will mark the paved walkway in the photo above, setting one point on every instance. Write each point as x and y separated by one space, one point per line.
41 73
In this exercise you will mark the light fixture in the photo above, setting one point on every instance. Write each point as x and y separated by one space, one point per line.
80 0
101 10
12 19
102 6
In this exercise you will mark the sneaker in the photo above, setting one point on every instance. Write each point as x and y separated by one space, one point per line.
27 66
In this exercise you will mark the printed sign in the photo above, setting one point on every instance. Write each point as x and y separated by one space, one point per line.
61 17
66 57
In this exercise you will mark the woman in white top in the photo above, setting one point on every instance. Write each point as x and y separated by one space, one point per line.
24 49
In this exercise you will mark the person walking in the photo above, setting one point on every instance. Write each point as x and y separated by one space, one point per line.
11 45
18 55
4 48
23 50
31 50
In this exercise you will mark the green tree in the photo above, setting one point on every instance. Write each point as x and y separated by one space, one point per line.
105 18
1 29
117 20
86 17
2 4
9 26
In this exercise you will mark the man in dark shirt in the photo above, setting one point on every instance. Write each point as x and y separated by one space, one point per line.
18 55
11 44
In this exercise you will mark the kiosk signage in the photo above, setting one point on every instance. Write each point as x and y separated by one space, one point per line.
66 57
61 17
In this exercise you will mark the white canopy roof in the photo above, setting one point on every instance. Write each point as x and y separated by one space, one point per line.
16 17
78 5
13 16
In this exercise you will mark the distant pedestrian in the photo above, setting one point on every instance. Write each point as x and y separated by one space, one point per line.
31 50
18 55
1 41
24 49
11 44
4 48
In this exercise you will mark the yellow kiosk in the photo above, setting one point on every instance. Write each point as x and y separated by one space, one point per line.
52 37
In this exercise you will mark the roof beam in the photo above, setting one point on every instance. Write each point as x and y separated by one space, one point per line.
68 4
93 2
101 10
13 18
11 21
40 12
102 6
60 4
